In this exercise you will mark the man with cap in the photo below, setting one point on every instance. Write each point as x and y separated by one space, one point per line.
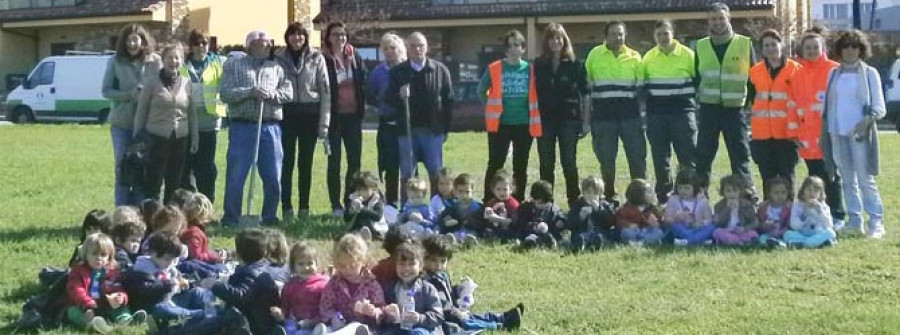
248 83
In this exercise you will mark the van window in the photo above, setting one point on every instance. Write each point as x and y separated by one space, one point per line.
44 74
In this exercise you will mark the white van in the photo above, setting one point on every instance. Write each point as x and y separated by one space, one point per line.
61 88
892 92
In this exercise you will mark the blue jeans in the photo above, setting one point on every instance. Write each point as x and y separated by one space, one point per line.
851 158
809 239
693 235
187 304
241 141
647 235
428 148
121 139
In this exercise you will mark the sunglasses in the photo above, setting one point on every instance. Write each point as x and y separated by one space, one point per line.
197 44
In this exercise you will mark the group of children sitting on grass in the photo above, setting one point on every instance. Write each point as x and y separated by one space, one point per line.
687 218
154 264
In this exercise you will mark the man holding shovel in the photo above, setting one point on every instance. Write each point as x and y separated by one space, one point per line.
254 87
422 90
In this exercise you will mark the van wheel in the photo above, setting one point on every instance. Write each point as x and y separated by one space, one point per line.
103 116
22 114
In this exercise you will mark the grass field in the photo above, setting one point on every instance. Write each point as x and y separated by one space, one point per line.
50 175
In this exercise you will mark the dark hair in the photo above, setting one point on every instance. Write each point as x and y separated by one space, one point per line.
301 249
394 237
437 246
128 229
770 33
445 172
516 35
164 243
555 29
688 176
718 6
147 42
809 35
464 179
168 218
615 23
408 251
149 208
365 179
251 245
96 218
664 23
180 197
502 176
852 37
733 181
542 190
817 29
779 180
277 252
636 192
331 26
197 36
297 28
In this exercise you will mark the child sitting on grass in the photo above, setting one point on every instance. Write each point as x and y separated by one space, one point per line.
638 221
438 254
413 304
734 215
811 223
201 260
501 209
95 221
301 296
592 219
353 301
385 270
688 211
365 210
459 221
540 221
444 196
127 237
775 213
93 291
277 255
417 216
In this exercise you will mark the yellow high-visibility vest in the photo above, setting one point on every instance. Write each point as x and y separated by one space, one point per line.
724 83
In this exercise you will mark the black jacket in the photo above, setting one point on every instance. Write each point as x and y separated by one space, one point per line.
359 77
144 290
560 92
602 217
253 292
124 258
431 104
530 216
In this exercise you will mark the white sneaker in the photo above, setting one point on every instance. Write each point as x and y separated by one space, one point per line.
362 330
839 225
319 329
680 242
637 244
450 238
470 240
876 234
366 234
708 242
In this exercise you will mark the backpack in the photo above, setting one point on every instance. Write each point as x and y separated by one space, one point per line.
133 170
45 309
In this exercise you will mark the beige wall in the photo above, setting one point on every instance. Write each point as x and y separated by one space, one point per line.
466 42
17 55
231 20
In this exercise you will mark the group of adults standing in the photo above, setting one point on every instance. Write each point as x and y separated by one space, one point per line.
692 96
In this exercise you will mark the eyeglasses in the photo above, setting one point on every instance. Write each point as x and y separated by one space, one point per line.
197 44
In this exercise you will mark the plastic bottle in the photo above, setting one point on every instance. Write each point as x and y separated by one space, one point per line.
408 305
290 326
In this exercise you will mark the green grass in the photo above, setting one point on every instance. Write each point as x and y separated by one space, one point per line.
50 175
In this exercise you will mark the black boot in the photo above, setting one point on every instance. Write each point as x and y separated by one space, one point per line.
512 319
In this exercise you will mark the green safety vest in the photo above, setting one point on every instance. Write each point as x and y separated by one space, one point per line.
209 85
724 84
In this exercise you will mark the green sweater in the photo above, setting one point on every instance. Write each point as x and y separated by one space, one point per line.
515 80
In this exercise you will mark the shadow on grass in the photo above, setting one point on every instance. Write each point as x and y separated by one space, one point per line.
47 232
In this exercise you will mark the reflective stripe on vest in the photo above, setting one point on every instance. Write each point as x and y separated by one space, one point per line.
209 86
614 76
770 115
724 83
493 109
672 74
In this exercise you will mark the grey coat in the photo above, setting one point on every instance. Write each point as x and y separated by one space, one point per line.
120 80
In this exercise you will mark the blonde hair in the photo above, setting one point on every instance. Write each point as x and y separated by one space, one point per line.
592 182
416 185
98 243
350 246
169 218
390 38
277 251
174 47
198 210
123 214
815 182
302 249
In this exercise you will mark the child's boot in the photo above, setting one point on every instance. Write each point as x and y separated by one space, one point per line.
98 324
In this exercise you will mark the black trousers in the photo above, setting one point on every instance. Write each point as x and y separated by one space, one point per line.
833 193
665 132
389 159
200 171
299 135
565 132
732 124
167 156
498 148
775 158
350 133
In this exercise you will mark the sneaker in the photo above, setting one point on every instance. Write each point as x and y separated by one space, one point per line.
288 214
774 243
361 330
839 225
319 329
680 242
553 243
337 213
98 324
450 238
708 242
139 317
876 234
512 319
366 234
829 243
124 319
470 240
636 244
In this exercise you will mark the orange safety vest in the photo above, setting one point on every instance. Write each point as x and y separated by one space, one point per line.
808 94
771 117
494 107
